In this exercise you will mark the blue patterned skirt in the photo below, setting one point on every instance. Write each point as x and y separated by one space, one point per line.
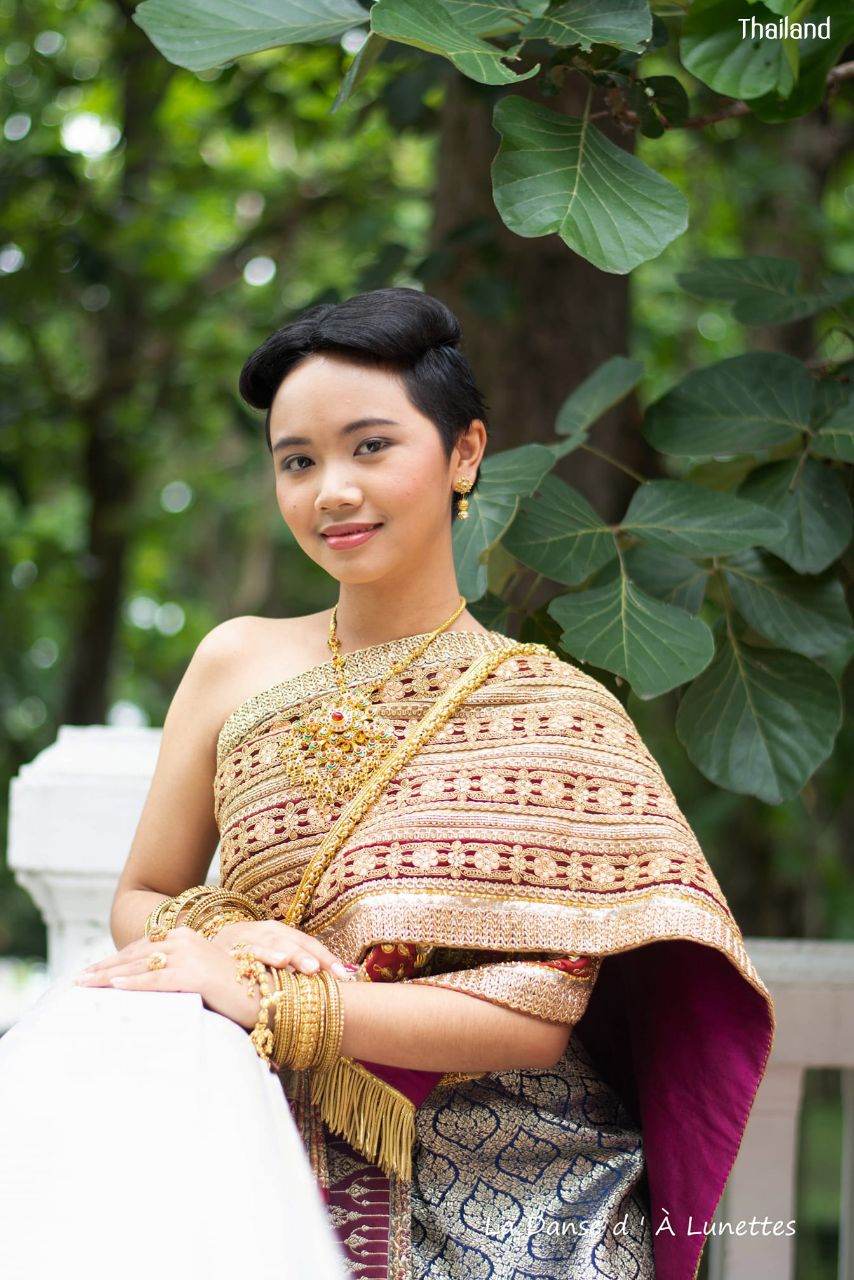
530 1175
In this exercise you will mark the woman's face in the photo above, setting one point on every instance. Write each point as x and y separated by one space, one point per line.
350 448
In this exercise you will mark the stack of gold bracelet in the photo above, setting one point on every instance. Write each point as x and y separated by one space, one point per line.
307 1014
208 908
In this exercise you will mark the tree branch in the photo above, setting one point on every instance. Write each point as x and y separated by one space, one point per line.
836 76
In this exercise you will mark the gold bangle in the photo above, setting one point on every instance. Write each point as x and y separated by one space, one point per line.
307 1021
304 1023
334 1030
285 1004
204 903
166 912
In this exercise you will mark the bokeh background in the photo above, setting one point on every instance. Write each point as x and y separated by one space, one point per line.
158 223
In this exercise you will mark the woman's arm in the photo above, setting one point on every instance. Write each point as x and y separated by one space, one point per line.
177 834
432 1028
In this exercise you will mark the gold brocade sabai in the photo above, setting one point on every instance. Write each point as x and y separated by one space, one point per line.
538 794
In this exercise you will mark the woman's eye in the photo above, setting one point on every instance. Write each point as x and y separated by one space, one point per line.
295 457
375 440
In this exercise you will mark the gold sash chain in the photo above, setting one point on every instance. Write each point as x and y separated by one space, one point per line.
369 1113
441 711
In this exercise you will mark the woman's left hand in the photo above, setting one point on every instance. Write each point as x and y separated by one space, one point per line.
193 963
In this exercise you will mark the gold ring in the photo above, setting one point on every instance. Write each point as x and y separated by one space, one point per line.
157 960
158 934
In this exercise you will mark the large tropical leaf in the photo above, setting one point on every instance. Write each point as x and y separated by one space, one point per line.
558 174
200 34
365 58
625 24
745 404
504 478
677 516
559 534
598 393
759 721
797 612
763 290
494 17
672 578
714 49
811 499
428 25
816 56
835 436
620 628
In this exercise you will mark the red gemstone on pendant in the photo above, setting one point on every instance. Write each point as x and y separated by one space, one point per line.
337 715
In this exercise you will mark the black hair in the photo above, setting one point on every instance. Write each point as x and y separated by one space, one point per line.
405 330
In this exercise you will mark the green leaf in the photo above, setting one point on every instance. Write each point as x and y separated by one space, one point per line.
620 628
660 102
759 721
745 404
816 57
605 387
626 24
764 290
835 437
428 25
365 58
492 612
494 18
814 506
673 579
557 173
559 534
806 614
681 517
714 49
504 478
200 34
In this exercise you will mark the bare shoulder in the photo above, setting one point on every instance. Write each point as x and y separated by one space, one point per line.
243 656
239 638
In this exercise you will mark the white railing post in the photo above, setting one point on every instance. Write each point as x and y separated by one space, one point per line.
812 983
73 811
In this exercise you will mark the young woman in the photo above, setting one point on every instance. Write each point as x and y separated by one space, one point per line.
496 983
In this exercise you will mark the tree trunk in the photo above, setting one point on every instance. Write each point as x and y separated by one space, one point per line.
112 461
537 318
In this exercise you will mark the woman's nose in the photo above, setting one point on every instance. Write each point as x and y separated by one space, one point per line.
337 491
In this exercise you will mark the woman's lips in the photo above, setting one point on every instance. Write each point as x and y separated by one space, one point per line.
339 541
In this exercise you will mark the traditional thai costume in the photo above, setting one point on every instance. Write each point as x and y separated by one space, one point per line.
520 846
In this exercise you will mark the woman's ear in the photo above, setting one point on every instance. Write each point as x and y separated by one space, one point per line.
470 445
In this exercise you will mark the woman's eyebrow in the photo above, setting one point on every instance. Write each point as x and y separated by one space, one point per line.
344 431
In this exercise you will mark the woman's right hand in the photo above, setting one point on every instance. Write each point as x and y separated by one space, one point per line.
282 946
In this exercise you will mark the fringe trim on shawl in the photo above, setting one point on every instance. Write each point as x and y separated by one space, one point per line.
374 1117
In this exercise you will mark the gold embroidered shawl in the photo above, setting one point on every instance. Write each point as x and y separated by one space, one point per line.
535 820
529 848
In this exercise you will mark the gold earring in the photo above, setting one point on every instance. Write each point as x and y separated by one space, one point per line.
462 485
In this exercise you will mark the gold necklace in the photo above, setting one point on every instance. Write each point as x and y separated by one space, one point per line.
332 749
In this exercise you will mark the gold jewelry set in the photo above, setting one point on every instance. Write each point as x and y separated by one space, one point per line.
330 752
463 485
334 747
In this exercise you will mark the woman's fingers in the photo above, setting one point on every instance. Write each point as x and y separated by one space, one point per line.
281 960
103 977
